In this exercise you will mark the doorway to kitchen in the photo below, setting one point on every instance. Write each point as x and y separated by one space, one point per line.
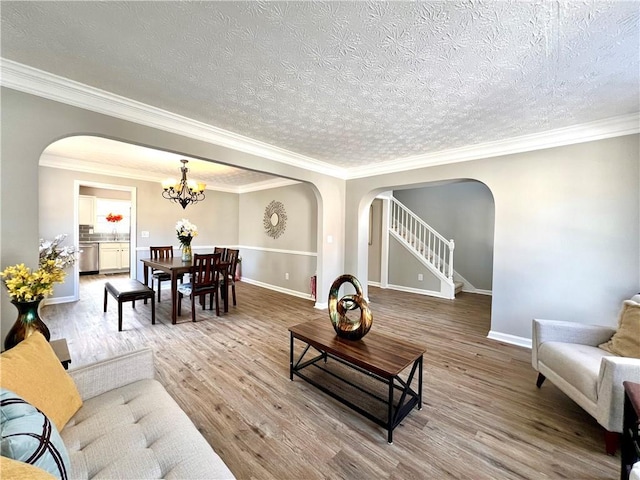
105 226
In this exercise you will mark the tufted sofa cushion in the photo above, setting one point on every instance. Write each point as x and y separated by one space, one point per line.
138 431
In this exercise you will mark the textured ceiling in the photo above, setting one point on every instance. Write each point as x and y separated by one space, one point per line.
347 83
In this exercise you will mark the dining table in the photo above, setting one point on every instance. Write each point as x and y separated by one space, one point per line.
175 266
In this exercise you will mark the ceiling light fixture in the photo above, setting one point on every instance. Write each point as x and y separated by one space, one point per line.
185 191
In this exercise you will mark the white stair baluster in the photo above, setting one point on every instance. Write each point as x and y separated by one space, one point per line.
426 243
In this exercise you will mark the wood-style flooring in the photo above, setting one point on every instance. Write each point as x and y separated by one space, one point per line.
482 416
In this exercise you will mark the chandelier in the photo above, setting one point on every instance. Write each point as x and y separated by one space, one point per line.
185 191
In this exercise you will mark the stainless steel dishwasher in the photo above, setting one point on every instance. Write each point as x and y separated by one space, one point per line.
88 258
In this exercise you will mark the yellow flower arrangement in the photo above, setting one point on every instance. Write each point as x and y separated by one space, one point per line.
25 285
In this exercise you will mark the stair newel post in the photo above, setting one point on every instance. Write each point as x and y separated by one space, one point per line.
452 246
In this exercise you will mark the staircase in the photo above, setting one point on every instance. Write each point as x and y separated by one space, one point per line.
433 250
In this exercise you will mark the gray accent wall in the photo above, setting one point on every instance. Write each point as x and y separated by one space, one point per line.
404 269
567 219
267 260
465 212
30 123
223 219
216 217
375 240
567 228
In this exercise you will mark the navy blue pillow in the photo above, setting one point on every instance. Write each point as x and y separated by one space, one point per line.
30 437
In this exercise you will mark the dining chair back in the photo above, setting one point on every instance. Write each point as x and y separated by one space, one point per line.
161 252
222 251
204 281
232 258
158 253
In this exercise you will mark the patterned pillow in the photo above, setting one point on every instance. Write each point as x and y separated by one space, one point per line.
29 436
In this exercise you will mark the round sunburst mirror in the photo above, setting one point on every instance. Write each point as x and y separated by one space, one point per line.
275 219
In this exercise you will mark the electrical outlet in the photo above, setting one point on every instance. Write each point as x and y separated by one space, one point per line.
420 277
144 234
286 276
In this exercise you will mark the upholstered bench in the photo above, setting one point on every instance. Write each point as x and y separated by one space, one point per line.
129 290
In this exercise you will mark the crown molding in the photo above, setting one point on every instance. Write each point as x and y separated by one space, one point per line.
585 132
64 163
47 85
38 82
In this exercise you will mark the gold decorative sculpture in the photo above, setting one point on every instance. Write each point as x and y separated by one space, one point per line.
344 327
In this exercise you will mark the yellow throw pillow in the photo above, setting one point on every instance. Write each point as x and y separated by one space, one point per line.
626 341
15 470
32 370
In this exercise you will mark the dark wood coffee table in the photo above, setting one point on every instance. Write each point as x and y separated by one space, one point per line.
375 356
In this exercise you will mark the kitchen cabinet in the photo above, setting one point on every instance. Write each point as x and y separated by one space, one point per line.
114 257
86 210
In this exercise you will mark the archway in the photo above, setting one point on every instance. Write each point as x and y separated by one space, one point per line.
461 209
156 216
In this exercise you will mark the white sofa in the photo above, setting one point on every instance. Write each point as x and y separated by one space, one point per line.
567 354
130 427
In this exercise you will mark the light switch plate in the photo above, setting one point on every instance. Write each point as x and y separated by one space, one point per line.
144 234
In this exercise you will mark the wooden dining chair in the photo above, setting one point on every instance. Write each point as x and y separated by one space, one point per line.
158 253
204 281
232 258
222 251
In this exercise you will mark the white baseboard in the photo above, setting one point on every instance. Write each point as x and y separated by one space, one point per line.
287 291
56 300
431 293
374 284
478 291
511 339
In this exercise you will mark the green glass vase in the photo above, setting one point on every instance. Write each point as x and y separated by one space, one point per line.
186 253
28 321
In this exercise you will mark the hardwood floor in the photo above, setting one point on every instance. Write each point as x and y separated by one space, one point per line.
482 416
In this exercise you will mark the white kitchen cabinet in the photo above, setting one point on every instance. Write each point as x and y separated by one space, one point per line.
114 256
86 210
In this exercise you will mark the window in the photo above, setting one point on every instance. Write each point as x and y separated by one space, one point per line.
105 206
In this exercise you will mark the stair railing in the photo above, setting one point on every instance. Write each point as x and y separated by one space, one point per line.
422 239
